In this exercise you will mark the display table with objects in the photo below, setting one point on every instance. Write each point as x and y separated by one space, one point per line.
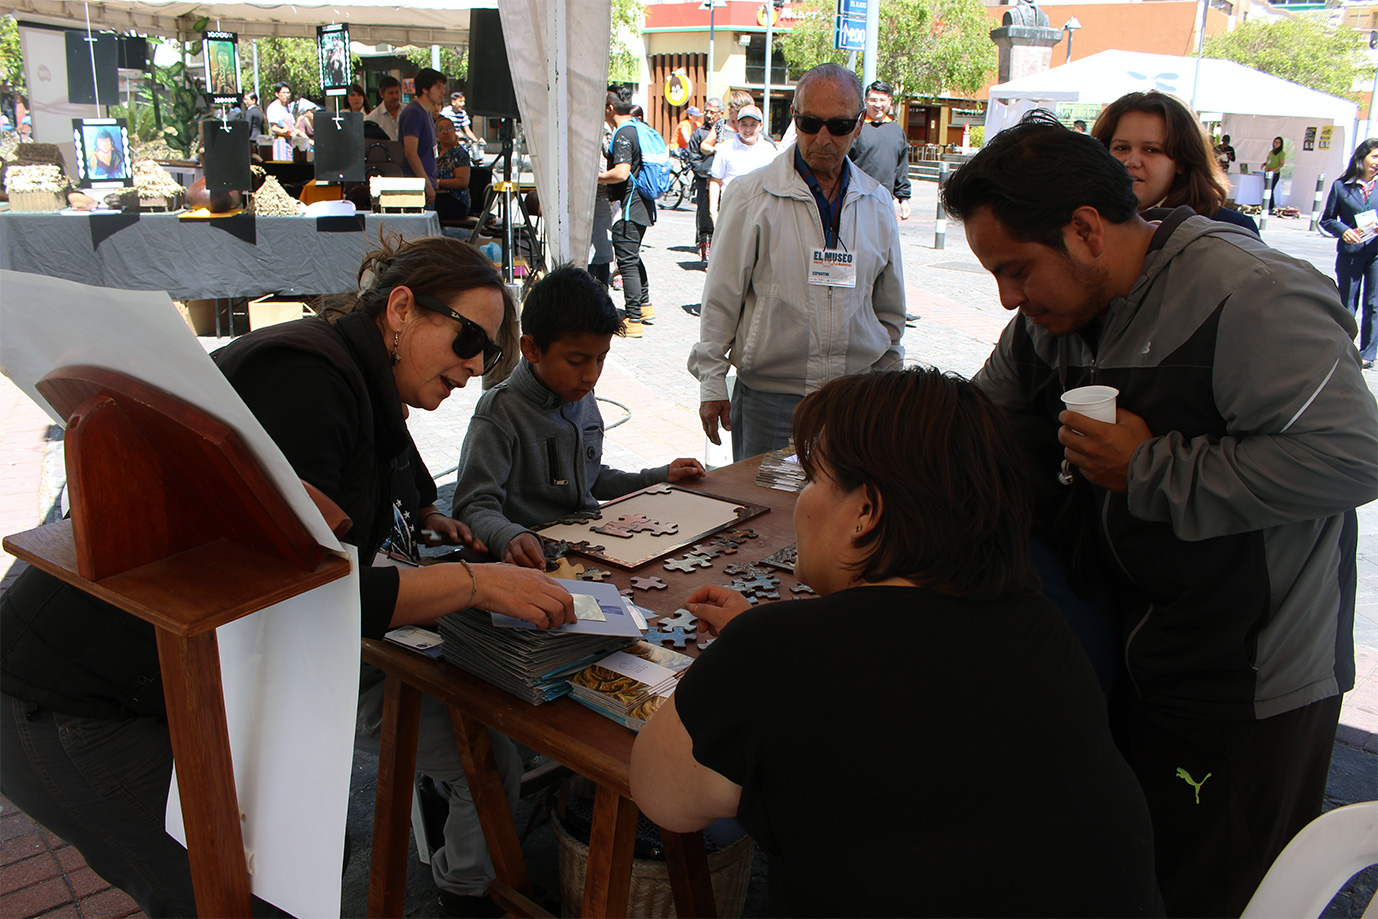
239 256
567 732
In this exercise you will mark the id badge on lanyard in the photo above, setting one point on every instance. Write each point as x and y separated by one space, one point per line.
832 268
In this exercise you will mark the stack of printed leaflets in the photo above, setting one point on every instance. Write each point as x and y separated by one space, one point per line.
531 663
629 685
780 470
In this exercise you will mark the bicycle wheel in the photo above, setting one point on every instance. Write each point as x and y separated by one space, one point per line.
675 193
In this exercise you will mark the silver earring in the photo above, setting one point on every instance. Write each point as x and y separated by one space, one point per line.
858 528
396 337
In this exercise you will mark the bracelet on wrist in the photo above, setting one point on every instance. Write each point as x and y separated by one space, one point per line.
473 581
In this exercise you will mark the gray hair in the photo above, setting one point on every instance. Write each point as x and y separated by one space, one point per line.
834 73
714 101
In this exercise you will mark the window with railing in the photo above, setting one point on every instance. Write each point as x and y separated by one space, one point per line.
756 62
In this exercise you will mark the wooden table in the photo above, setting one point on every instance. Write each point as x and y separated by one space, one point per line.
577 737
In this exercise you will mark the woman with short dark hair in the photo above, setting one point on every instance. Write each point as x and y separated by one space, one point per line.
851 734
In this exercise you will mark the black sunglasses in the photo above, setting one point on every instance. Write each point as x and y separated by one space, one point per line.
837 127
471 338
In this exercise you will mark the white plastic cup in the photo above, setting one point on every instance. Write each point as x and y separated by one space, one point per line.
1095 402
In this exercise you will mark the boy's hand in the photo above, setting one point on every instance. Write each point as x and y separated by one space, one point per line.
685 468
525 550
716 606
450 531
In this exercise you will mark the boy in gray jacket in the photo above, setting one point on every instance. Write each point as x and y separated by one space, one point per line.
534 450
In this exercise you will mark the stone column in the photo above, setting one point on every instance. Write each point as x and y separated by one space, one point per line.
1024 50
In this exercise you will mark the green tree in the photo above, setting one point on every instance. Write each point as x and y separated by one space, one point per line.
454 62
627 17
925 47
11 57
1304 48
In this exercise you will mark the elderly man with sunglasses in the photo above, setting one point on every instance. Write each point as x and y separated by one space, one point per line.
805 283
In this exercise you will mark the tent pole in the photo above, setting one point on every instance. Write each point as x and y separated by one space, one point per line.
558 246
256 90
1200 52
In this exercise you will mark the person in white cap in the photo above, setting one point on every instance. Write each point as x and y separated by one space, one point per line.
748 151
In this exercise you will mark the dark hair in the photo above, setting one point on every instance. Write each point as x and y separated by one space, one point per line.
568 301
1276 145
356 90
439 266
1079 124
388 82
251 95
1201 184
116 154
426 78
955 507
620 105
1224 138
880 86
637 112
1356 162
278 87
1033 175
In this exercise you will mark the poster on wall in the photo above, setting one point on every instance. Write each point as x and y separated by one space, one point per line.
1327 133
102 146
332 50
1309 141
220 51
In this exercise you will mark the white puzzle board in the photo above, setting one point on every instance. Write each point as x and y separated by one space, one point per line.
697 514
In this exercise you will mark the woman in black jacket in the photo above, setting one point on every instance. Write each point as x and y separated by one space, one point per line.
84 743
1350 215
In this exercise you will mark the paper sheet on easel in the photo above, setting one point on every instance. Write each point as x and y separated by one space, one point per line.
291 671
295 700
47 323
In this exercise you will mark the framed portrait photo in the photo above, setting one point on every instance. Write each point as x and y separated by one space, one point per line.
220 52
332 50
103 160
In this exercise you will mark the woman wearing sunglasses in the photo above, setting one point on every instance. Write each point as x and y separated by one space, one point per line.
81 702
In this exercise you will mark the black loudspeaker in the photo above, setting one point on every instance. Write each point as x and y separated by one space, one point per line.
339 147
133 53
227 155
80 87
490 79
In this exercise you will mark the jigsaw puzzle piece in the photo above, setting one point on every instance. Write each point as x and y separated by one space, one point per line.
651 583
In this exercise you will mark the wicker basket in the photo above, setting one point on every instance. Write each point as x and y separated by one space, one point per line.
36 202
730 869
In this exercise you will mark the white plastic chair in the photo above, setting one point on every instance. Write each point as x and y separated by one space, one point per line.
1316 864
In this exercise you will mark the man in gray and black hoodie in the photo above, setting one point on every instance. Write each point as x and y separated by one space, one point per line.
1220 502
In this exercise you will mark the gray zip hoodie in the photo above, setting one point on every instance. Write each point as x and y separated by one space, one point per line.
530 458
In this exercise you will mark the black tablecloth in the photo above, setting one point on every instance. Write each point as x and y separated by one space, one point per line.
242 256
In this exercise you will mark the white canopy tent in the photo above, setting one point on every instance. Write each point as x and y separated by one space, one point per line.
557 50
1254 107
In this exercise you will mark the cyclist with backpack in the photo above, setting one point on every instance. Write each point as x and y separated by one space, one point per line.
638 174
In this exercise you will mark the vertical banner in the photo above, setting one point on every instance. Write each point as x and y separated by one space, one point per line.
332 51
220 52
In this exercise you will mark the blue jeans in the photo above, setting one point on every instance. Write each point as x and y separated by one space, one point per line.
1356 274
761 421
100 784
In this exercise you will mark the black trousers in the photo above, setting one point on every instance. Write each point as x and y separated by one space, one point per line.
1226 796
703 217
626 247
